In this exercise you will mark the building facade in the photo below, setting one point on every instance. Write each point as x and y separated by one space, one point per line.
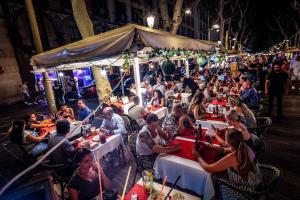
57 25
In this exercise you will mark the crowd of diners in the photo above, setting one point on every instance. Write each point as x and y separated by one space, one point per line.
238 146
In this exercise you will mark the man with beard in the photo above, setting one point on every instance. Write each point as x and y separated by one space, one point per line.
275 86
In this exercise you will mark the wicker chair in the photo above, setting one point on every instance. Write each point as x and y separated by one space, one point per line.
271 176
257 110
127 127
262 124
132 146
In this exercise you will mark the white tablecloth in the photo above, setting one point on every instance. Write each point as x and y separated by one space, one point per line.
158 186
208 123
185 97
113 142
161 112
193 177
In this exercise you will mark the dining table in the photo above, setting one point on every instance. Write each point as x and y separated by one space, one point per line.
142 194
182 163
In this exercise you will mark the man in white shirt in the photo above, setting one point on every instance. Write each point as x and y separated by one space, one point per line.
136 112
112 123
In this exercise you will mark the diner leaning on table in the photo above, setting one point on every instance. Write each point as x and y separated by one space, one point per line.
65 112
19 134
157 99
241 168
148 142
33 124
84 184
242 109
196 108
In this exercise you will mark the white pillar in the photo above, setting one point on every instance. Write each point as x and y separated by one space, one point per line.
187 69
136 70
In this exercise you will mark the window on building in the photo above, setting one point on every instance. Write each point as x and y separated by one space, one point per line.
73 32
99 8
121 11
137 15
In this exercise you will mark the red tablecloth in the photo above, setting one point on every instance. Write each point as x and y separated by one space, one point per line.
186 147
139 190
209 116
222 102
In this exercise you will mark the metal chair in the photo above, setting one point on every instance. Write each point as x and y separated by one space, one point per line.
59 175
270 178
257 110
262 124
132 147
127 127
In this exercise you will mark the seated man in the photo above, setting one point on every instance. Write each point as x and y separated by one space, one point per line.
171 122
159 85
250 96
136 112
148 142
65 152
209 91
84 111
112 124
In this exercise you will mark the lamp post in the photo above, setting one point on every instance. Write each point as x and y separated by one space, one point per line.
150 21
233 39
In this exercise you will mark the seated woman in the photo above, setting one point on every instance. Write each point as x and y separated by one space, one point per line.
197 108
247 115
158 99
84 184
30 139
234 121
186 127
65 112
32 123
240 165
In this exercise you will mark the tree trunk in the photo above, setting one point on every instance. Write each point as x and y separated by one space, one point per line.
86 30
177 16
221 20
163 6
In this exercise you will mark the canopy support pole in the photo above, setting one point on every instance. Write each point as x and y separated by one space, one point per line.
39 49
136 70
187 69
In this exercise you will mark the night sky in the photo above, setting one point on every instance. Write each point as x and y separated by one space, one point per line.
263 18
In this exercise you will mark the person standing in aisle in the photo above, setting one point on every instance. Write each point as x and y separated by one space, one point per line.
25 91
276 86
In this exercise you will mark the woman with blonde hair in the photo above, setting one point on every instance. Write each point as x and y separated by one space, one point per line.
247 115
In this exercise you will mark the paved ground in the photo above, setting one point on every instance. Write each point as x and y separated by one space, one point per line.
282 140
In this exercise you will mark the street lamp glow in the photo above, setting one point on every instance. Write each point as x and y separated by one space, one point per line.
188 11
219 42
218 30
150 21
216 26
60 74
232 47
234 39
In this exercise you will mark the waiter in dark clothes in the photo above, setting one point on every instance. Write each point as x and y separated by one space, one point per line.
275 86
189 82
